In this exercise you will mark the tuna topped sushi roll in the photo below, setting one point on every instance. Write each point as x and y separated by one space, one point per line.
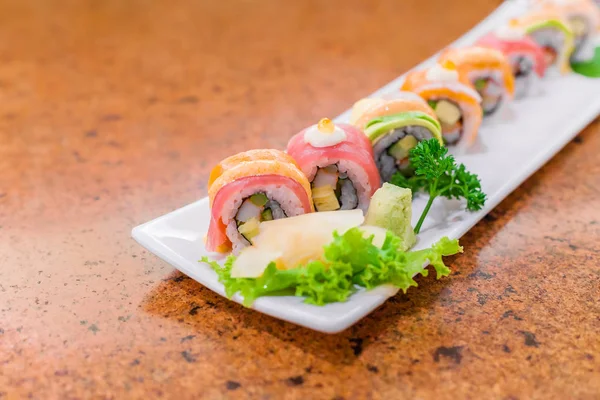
338 161
583 17
525 57
488 70
249 188
395 124
452 97
550 30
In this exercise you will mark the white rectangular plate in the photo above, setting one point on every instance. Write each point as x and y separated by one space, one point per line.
508 152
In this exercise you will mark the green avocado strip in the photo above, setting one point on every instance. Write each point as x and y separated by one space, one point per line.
378 127
591 68
563 61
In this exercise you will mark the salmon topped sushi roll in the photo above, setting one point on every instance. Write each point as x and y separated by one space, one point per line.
583 17
245 157
338 161
395 124
525 57
249 188
488 70
456 104
550 30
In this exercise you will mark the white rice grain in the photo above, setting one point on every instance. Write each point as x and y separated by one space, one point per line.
289 202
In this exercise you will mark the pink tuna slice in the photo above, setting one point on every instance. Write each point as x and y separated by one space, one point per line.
217 238
523 45
356 148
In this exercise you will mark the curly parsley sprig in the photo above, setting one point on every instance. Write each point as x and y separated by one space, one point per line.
437 173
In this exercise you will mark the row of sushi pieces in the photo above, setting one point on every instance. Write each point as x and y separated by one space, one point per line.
331 166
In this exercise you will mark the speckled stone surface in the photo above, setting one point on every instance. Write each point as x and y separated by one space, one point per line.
113 113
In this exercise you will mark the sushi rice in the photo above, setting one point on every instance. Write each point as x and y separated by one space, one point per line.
282 201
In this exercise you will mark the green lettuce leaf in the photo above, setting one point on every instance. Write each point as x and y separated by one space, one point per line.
272 282
350 259
321 283
590 68
224 273
399 268
352 248
389 268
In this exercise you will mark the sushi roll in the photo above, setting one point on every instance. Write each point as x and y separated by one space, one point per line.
583 17
488 70
525 57
338 161
249 188
550 30
455 102
394 125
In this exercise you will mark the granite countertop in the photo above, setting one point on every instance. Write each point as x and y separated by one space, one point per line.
113 113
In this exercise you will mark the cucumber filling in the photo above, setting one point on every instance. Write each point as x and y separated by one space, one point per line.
451 119
254 210
491 94
333 190
391 150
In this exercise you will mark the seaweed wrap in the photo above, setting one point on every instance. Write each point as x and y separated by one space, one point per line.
249 188
395 124
338 161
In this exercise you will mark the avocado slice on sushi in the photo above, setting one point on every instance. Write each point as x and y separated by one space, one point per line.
480 84
400 149
555 54
259 199
267 215
378 127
